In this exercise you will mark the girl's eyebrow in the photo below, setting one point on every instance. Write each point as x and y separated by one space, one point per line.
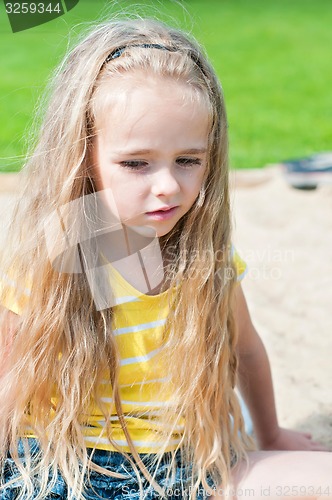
194 151
191 151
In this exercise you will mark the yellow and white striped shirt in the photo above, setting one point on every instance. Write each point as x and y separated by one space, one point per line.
145 387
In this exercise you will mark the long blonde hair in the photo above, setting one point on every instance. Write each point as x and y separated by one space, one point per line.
62 344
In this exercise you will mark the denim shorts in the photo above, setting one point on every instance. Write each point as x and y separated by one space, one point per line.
99 486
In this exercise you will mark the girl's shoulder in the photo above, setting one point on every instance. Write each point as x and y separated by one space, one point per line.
240 265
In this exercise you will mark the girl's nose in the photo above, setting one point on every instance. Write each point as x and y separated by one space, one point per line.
164 183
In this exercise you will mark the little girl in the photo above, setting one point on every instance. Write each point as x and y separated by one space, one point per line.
124 329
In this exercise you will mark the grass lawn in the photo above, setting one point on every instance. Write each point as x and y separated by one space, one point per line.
273 59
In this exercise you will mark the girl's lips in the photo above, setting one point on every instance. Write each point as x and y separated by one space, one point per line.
162 214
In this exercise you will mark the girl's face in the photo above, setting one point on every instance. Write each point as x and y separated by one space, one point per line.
151 151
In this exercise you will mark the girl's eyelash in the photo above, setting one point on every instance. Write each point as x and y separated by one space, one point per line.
140 164
189 161
133 164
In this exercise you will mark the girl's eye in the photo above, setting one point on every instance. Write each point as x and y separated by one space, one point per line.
188 162
133 164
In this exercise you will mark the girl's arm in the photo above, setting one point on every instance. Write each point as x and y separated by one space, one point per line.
255 384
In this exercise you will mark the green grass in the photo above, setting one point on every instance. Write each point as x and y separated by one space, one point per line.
273 59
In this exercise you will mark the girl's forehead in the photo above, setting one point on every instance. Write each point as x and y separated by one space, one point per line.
152 117
125 93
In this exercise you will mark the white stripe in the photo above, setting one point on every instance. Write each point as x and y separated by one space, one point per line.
139 359
114 418
122 442
123 300
157 404
139 328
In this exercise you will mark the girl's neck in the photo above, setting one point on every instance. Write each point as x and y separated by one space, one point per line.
132 268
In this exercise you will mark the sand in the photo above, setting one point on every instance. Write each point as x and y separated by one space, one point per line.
285 236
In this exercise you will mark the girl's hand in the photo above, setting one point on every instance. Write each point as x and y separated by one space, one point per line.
287 439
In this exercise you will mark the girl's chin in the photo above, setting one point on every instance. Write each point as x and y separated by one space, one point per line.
146 231
153 229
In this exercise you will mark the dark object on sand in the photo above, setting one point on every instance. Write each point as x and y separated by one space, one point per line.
310 172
